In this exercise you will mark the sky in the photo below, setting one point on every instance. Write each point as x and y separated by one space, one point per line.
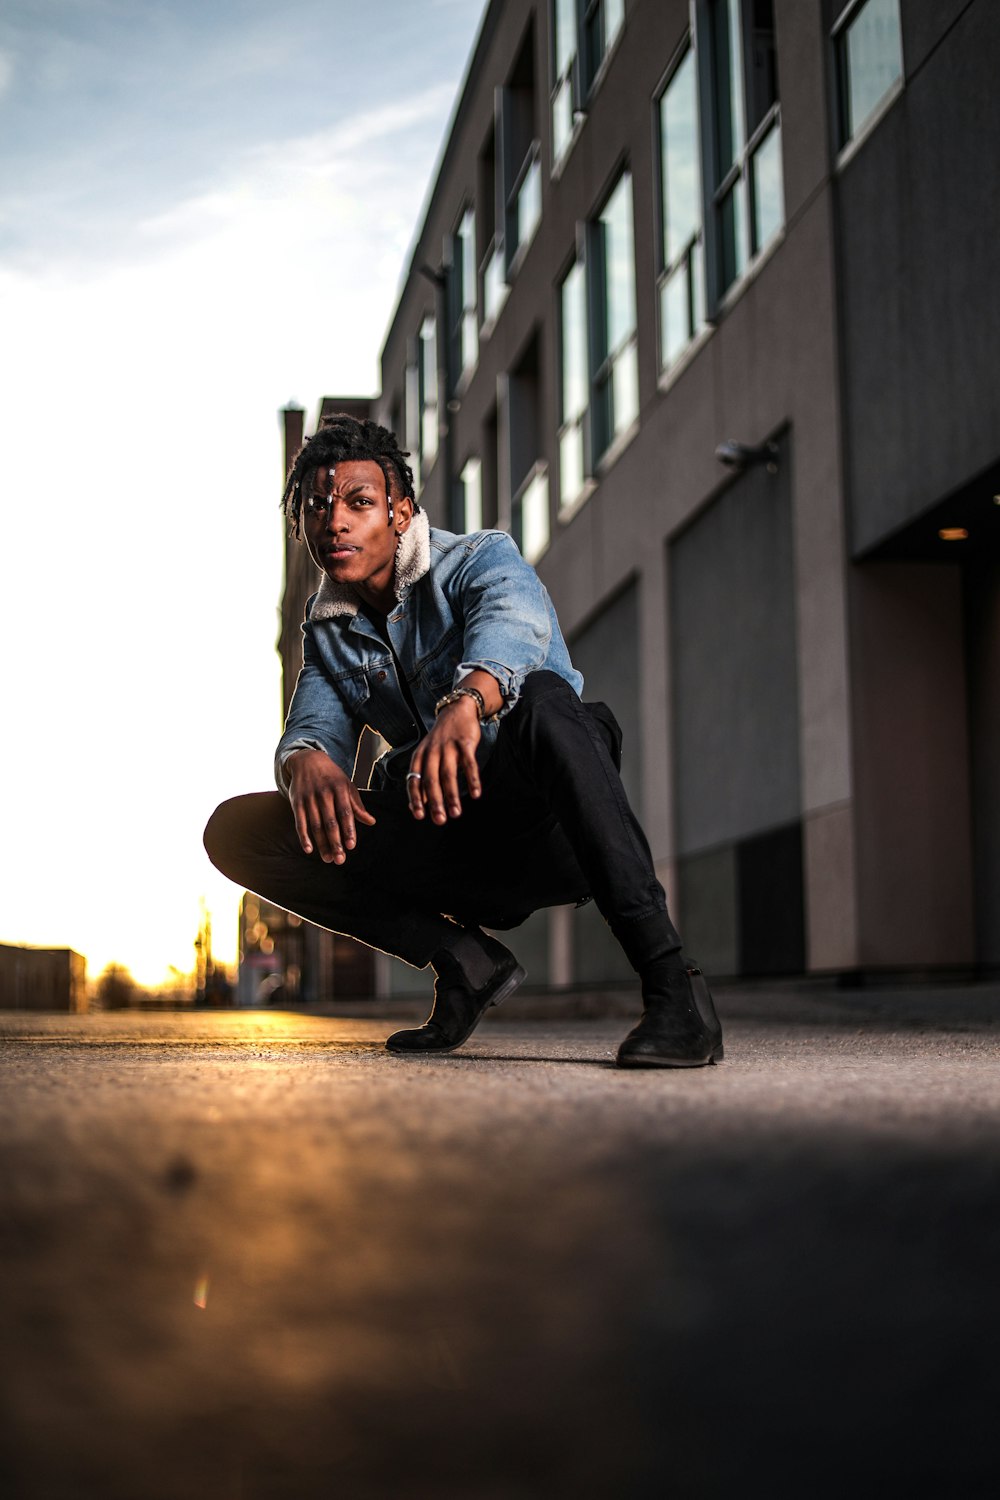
205 211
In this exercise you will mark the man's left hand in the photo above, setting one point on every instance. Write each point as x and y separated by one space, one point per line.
449 748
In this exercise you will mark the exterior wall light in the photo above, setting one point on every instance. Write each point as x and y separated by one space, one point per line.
742 456
953 534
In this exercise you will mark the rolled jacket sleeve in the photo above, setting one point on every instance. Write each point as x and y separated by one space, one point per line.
317 719
508 616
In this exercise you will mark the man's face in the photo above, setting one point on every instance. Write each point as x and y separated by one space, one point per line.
345 521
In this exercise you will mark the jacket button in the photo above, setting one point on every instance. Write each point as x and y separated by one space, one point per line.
380 677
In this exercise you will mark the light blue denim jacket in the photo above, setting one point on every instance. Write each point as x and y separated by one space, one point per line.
464 602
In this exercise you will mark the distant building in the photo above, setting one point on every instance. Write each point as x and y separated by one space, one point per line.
704 310
42 979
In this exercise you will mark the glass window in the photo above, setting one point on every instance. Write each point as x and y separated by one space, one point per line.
616 403
519 161
428 393
575 384
411 417
767 194
529 203
495 286
464 313
583 33
564 62
531 516
602 21
746 188
871 62
472 496
681 292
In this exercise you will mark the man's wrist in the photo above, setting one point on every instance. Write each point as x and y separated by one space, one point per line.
455 697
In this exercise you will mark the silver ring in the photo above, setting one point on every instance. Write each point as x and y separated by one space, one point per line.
414 776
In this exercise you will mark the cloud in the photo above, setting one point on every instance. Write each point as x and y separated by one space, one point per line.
6 71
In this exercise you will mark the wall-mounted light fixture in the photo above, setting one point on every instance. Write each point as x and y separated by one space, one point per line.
953 534
742 456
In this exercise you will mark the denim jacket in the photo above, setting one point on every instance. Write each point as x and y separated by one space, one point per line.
463 603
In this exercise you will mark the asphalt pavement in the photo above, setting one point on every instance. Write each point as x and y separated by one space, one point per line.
252 1255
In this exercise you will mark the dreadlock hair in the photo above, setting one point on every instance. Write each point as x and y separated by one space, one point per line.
343 439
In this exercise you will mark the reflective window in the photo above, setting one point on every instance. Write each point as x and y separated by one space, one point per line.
575 384
462 287
472 496
682 267
583 33
746 178
411 418
767 194
522 175
531 516
495 286
529 202
616 396
602 21
871 61
563 85
427 365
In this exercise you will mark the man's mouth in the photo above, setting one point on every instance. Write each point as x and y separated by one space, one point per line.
342 551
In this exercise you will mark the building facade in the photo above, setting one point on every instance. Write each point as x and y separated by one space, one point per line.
42 979
702 310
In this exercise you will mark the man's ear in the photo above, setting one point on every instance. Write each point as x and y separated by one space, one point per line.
404 513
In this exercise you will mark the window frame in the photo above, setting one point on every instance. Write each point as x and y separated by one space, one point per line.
460 308
846 140
429 392
579 423
693 253
582 73
737 181
604 357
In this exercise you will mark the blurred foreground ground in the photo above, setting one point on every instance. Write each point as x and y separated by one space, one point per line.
250 1256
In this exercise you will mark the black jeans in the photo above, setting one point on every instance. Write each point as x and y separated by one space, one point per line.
553 826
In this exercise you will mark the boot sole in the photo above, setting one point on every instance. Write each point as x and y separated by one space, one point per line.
510 984
671 1062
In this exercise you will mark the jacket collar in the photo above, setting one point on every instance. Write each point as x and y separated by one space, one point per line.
413 560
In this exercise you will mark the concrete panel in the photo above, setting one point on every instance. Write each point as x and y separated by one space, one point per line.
831 917
918 229
802 82
530 942
707 912
607 653
735 726
913 824
926 26
597 958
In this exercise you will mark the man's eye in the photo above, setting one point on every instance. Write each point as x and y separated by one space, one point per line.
361 500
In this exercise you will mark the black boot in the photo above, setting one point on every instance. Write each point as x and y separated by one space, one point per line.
474 973
679 1027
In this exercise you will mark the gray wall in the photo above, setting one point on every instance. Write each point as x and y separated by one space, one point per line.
915 898
919 224
733 640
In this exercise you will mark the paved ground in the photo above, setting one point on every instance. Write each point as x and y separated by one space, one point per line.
254 1256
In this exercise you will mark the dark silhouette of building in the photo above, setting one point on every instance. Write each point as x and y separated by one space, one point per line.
703 310
42 979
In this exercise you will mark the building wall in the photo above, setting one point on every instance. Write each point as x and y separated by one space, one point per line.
42 979
918 227
777 676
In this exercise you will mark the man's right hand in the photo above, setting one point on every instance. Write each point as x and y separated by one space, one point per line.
326 804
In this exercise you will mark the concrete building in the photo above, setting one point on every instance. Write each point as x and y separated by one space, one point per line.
42 979
703 309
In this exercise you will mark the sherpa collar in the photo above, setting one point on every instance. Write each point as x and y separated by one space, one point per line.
413 560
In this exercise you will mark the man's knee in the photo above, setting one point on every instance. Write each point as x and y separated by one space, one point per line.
219 837
539 686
